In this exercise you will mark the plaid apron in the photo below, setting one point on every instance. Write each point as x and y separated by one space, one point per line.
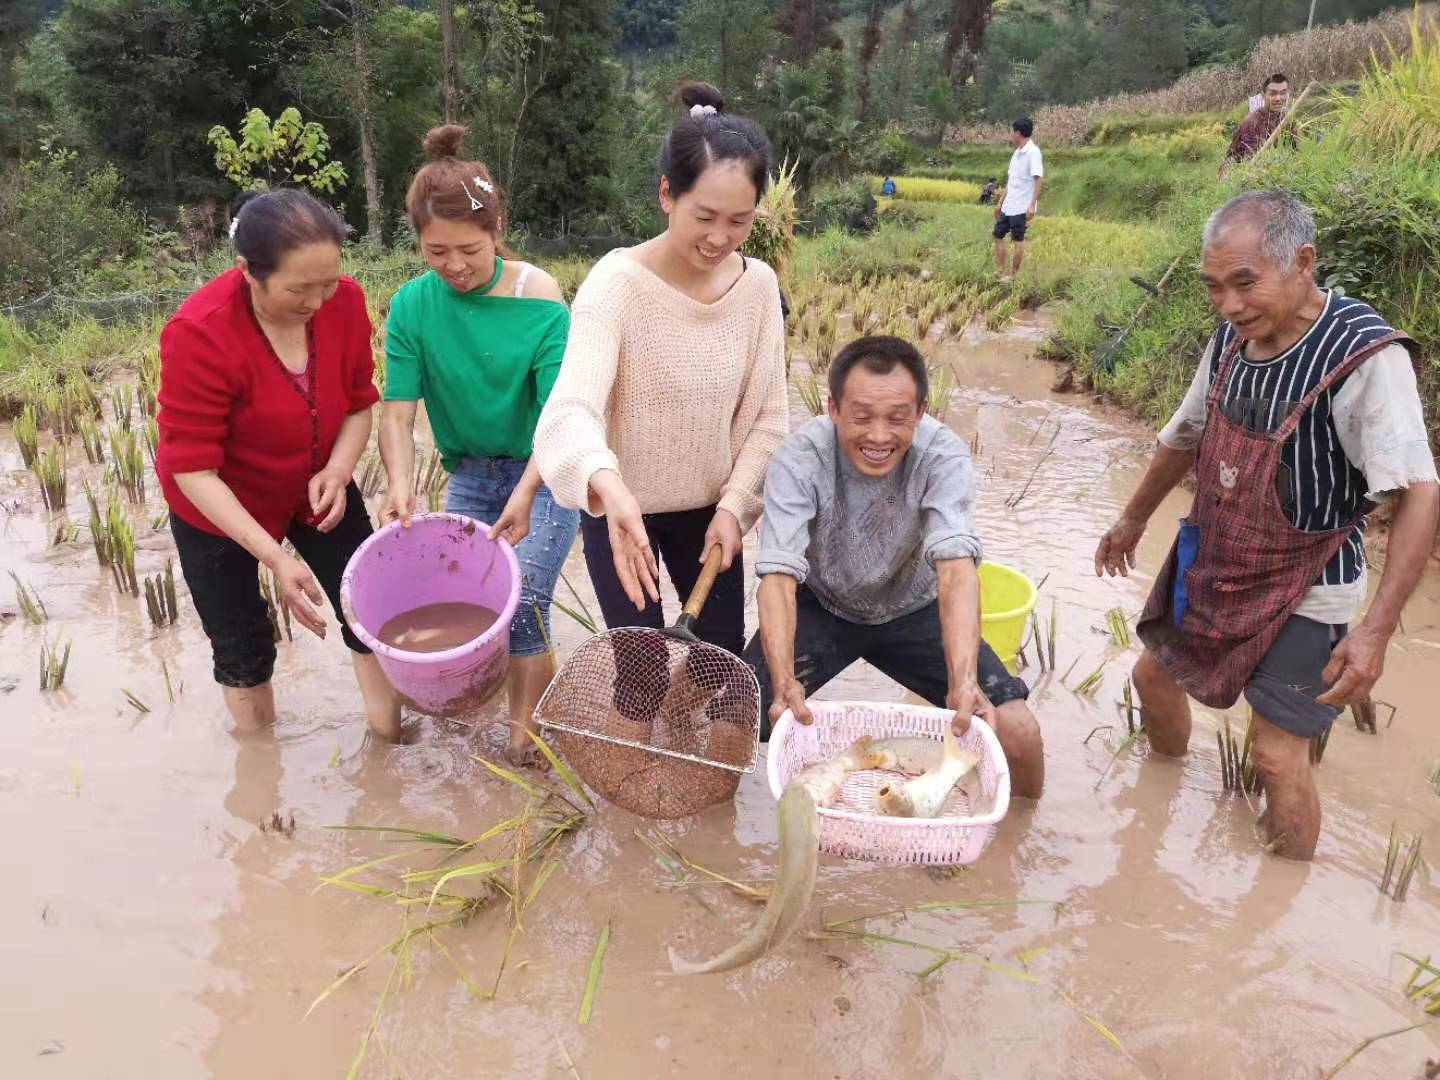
1252 567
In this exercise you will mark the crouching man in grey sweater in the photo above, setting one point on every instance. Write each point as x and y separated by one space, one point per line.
868 552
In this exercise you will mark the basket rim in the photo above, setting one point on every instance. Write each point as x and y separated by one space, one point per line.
781 731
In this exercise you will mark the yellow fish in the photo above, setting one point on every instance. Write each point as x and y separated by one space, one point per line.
941 765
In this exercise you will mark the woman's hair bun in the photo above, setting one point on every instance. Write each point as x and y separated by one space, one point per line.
444 141
241 200
691 94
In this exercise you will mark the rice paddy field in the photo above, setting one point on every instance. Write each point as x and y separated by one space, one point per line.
184 902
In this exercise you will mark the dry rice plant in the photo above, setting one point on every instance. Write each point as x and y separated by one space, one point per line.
27 435
1324 54
1396 107
276 608
160 596
1400 868
942 389
772 238
812 393
372 475
1237 770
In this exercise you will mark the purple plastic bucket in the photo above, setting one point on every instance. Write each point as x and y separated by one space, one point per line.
439 558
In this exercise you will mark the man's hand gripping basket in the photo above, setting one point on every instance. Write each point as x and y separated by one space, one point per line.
851 827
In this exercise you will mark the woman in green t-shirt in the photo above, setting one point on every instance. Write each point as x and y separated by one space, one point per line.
480 338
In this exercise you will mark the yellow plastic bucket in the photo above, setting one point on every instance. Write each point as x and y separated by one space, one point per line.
1006 599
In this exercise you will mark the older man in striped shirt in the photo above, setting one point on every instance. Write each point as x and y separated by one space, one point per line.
1303 415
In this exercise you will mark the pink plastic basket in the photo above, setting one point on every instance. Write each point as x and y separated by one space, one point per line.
851 827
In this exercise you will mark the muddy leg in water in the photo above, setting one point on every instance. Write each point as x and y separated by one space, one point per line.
527 679
1019 735
382 707
1164 707
251 707
1292 805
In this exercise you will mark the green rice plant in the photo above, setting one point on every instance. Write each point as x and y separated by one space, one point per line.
53 664
99 526
65 533
51 471
1128 692
160 599
862 306
1237 769
27 435
127 463
1091 682
1001 314
121 400
1424 993
811 391
90 439
151 434
170 690
149 386
32 608
942 389
121 535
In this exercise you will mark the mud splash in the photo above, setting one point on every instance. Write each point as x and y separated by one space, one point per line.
149 914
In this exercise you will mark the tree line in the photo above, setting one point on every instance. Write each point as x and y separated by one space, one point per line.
565 99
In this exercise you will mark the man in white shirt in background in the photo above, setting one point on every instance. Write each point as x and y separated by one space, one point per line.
1017 201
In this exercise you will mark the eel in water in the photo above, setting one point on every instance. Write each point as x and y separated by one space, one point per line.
799 827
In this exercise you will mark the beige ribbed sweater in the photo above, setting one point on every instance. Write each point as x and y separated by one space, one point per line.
685 400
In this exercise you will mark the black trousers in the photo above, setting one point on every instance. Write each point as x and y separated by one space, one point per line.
678 540
225 587
910 649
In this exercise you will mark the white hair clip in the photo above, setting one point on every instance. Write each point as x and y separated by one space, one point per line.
484 185
234 224
475 204
698 112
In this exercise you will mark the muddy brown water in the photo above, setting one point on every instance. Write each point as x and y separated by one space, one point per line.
437 627
152 929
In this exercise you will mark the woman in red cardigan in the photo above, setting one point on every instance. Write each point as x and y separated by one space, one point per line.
265 396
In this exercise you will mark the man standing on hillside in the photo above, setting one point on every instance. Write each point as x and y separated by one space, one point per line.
1016 203
1302 415
1257 127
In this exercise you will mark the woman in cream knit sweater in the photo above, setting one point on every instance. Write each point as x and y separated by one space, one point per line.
671 397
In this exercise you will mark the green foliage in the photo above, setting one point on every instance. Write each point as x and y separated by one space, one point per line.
644 24
289 151
847 205
884 152
59 222
804 129
724 42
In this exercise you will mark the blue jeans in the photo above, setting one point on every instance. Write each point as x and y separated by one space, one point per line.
479 488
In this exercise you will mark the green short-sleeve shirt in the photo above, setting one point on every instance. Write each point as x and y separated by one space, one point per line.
483 364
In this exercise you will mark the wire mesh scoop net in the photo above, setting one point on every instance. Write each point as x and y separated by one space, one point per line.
658 722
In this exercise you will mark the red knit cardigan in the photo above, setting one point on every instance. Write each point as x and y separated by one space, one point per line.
227 404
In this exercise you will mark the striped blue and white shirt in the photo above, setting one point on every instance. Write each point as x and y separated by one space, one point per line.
1363 438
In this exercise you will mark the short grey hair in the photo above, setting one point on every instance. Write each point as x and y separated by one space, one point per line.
1286 223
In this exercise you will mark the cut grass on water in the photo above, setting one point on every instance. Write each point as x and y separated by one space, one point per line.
592 981
509 865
